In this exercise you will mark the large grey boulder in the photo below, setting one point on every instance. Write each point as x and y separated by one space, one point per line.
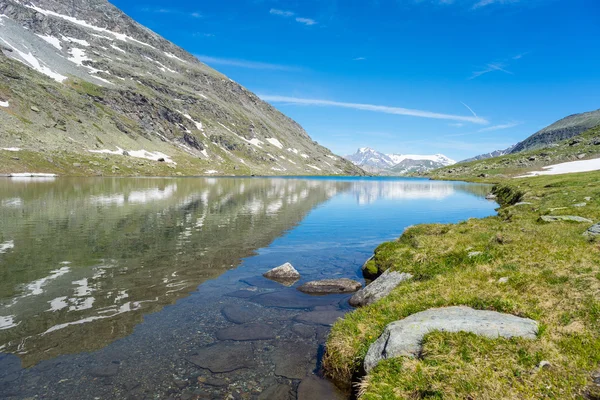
379 288
328 286
593 230
404 337
569 218
285 274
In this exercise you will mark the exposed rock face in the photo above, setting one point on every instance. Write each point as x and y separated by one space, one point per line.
84 68
285 274
327 286
404 337
379 288
566 128
593 230
569 218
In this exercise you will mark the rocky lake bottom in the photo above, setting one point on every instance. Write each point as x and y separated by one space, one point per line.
134 288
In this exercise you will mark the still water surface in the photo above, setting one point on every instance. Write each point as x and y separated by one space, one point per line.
152 288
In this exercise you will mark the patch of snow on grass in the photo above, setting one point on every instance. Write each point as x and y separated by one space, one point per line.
567 168
211 171
33 62
4 247
52 40
173 56
78 56
7 322
14 149
154 156
4 104
332 157
118 48
313 167
304 155
292 150
275 142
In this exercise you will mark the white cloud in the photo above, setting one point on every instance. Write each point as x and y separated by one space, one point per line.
283 13
306 21
246 63
499 127
375 108
457 125
484 3
172 11
359 59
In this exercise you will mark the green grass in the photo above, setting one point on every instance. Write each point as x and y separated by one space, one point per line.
553 276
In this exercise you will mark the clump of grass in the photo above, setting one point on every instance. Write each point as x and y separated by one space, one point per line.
552 272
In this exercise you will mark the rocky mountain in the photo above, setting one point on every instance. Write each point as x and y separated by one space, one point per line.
496 153
566 128
397 164
85 89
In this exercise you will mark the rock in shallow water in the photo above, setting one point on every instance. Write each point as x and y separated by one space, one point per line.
326 318
241 314
285 274
326 286
404 337
379 288
314 388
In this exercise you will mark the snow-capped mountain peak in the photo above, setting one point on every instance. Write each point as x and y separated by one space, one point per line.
376 161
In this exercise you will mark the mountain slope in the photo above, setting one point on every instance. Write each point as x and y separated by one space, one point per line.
495 153
566 128
397 164
87 90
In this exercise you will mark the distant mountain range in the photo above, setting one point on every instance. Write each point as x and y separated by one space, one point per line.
566 128
374 161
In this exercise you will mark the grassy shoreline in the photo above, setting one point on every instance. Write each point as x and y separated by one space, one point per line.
514 263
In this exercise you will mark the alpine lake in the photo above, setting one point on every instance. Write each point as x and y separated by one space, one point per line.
152 288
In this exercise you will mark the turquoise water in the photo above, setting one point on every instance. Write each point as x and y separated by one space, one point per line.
153 288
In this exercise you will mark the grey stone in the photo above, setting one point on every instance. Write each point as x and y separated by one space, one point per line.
325 286
285 274
379 288
490 196
326 318
504 279
34 109
593 230
76 165
522 203
587 198
240 314
569 218
544 364
581 156
279 391
247 332
224 357
314 388
580 205
404 337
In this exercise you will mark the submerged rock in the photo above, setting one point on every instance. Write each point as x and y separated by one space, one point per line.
313 388
247 332
240 314
404 337
285 274
326 286
298 365
379 288
320 317
569 218
224 357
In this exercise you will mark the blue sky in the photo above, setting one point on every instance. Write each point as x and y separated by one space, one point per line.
457 77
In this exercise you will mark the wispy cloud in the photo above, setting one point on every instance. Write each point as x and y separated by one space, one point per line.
469 108
359 59
283 13
498 66
306 21
246 64
484 3
287 14
457 125
375 108
194 14
499 127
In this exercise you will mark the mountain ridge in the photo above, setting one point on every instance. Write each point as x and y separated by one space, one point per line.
402 164
87 84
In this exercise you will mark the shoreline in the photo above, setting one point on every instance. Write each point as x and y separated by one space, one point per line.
504 263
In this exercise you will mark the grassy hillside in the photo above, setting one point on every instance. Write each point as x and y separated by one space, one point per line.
582 147
549 272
